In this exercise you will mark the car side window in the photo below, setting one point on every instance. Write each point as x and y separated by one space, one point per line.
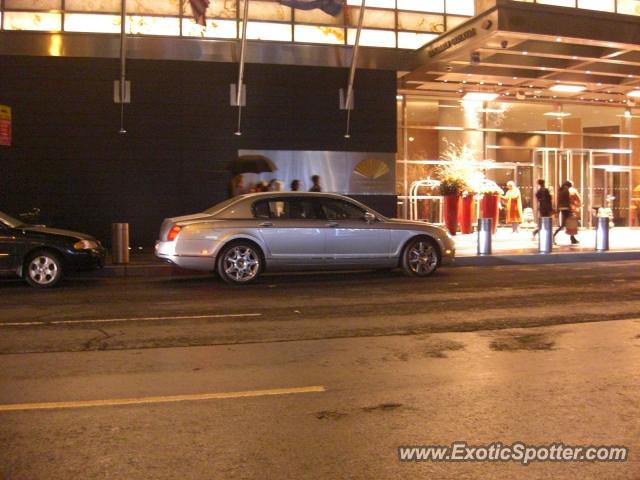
261 209
286 208
341 210
299 209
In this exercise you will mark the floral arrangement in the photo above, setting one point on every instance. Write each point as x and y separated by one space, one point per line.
455 175
451 185
488 187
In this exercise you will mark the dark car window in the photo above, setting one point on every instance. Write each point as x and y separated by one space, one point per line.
261 209
341 210
286 208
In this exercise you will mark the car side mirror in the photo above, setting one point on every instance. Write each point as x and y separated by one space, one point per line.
369 217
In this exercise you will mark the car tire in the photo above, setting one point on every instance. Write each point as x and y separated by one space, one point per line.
420 257
240 262
43 269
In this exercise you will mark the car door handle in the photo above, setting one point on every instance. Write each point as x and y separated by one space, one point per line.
332 224
266 224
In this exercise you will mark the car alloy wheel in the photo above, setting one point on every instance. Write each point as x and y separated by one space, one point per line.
421 258
44 270
240 263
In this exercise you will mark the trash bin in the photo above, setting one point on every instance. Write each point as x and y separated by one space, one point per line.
545 235
485 230
602 234
120 242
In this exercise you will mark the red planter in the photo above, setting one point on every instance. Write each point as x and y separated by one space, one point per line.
466 214
451 213
489 209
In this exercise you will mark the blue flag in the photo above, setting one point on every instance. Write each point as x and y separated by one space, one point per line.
331 7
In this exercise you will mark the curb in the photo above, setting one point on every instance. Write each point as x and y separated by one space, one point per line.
166 270
545 259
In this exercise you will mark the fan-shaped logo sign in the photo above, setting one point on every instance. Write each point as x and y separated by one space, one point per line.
371 168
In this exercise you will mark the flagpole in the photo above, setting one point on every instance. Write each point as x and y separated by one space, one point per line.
123 60
241 70
352 73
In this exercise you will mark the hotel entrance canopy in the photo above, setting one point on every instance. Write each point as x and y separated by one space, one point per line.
533 52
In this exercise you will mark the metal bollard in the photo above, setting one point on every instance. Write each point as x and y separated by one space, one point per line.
120 242
602 234
485 229
545 235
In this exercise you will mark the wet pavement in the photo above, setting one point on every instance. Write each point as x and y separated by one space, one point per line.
523 353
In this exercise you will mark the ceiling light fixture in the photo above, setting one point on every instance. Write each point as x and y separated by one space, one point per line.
557 114
480 96
633 93
565 87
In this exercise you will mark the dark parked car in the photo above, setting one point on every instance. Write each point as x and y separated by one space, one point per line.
42 255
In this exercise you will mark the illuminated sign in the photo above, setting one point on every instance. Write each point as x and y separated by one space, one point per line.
444 46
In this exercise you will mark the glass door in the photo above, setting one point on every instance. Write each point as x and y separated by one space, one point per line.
611 194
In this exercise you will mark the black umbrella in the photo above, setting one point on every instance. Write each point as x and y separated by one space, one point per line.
252 164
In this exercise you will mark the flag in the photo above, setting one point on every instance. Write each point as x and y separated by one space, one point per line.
199 8
331 7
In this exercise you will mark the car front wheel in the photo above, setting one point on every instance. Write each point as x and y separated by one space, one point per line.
420 257
239 263
43 270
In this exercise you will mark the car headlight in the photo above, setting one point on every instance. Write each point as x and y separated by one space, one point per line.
85 245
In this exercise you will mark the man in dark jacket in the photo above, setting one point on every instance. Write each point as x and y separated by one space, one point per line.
545 208
564 209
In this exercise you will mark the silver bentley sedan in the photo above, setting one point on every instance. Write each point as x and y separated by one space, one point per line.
248 234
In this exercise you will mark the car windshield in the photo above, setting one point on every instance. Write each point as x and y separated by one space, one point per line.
9 220
218 207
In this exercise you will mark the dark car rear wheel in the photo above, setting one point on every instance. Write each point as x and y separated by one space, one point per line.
420 257
43 269
240 262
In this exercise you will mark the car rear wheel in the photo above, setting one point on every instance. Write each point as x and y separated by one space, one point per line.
43 269
240 263
420 257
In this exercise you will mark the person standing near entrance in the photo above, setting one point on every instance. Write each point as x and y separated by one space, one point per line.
569 201
513 206
545 207
315 179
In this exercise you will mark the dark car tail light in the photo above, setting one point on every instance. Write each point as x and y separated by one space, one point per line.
173 233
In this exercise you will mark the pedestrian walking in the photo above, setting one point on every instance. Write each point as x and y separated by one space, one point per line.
545 205
568 203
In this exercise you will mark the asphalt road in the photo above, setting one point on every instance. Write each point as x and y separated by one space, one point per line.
319 376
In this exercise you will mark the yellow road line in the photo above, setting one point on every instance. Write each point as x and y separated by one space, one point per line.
12 407
132 319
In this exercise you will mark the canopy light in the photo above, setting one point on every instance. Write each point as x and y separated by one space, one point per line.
557 114
446 127
634 93
563 87
480 96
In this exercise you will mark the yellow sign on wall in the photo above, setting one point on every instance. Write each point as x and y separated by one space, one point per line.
5 125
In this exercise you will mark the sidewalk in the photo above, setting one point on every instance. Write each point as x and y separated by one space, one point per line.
508 249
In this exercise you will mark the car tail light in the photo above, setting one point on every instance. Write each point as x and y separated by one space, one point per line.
173 233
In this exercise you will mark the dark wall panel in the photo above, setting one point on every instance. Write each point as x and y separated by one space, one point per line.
68 159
